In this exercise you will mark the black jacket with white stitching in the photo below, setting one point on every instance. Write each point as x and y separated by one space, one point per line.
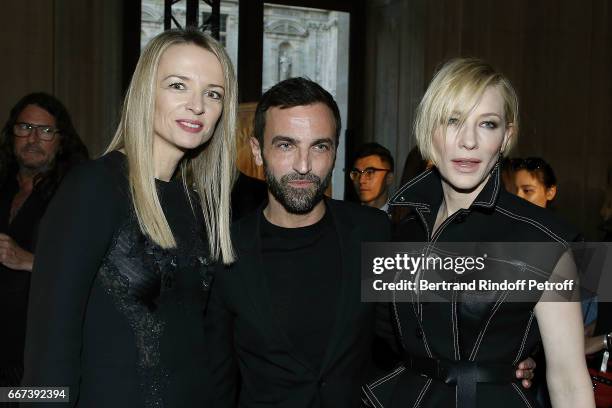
496 331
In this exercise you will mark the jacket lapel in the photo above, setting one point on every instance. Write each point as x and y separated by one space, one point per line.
350 283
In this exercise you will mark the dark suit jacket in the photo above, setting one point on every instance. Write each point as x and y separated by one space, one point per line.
247 195
243 333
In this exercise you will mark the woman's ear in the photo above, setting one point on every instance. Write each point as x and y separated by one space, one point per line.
551 193
508 135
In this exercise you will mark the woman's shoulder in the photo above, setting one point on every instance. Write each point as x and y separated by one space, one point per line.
107 169
539 224
112 164
105 176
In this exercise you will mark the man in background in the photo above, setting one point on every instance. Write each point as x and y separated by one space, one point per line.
38 145
372 175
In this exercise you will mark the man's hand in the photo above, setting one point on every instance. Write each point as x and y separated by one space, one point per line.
13 256
525 371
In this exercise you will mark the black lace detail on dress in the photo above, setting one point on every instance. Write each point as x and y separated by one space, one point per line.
134 273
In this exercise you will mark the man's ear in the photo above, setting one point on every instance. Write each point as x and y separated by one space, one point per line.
551 192
256 151
389 178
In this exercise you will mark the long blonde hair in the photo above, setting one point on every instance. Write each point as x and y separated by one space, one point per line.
209 169
457 87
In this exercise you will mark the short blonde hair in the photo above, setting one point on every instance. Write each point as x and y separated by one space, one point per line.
210 170
456 88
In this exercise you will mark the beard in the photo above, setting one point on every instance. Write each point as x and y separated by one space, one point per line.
40 163
297 200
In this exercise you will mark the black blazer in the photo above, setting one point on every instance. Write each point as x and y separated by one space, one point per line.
243 335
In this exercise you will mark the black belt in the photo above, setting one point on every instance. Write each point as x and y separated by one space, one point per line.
463 374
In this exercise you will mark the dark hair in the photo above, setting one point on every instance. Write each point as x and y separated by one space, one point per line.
537 167
70 152
413 166
290 93
374 149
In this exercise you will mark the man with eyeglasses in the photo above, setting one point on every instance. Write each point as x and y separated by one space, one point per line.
38 145
372 175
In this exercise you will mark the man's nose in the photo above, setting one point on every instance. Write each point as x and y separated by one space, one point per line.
301 163
33 136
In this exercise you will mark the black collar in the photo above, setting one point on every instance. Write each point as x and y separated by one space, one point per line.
425 191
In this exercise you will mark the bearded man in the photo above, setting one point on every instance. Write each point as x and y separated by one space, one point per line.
38 146
288 314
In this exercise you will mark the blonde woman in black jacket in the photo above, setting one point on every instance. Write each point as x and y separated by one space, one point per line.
463 352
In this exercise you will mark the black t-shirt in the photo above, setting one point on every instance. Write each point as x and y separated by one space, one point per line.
303 271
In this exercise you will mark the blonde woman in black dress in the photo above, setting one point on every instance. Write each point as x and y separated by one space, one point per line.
121 276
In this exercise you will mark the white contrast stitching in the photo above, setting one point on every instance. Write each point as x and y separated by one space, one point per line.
527 267
495 189
524 339
455 326
419 312
397 320
422 393
369 395
387 377
424 223
520 393
410 202
456 397
424 338
420 318
482 333
534 223
369 387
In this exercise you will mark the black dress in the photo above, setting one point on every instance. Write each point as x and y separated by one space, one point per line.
462 353
112 315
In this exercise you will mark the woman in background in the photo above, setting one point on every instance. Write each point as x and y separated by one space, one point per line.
121 276
535 181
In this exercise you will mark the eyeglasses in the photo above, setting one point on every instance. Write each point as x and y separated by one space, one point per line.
44 132
368 172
